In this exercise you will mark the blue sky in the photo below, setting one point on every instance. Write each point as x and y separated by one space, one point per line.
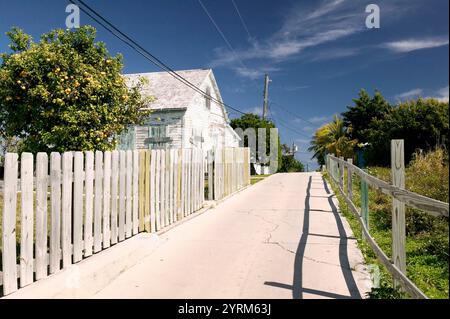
319 54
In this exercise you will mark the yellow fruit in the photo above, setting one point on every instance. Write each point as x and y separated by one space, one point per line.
68 90
23 87
18 81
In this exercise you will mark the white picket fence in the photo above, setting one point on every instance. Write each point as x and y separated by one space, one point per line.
80 203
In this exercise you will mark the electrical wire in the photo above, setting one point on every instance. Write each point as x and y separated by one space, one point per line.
242 19
143 52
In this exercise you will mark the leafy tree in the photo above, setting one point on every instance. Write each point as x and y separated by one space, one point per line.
65 92
332 138
291 165
423 124
359 117
255 121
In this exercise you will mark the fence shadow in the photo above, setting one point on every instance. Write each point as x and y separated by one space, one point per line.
297 286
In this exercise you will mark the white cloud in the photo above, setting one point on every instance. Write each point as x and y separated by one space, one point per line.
409 94
404 46
303 28
442 94
254 110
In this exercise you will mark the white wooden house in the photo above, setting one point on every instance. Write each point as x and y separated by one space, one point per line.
181 117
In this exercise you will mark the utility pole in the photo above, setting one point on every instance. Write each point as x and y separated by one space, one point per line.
266 96
307 167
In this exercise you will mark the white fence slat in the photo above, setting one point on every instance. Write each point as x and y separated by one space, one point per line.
55 234
158 190
41 215
78 207
135 192
189 178
9 224
171 186
128 193
152 191
162 196
66 216
98 202
175 185
89 203
167 186
114 196
107 199
26 222
122 185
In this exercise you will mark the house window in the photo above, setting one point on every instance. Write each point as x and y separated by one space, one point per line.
158 136
207 98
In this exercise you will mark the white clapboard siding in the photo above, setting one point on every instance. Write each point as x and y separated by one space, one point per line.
98 203
107 200
26 223
114 196
135 192
78 207
122 185
89 203
128 193
9 224
41 215
66 215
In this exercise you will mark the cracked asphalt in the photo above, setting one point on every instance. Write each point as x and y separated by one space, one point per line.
281 238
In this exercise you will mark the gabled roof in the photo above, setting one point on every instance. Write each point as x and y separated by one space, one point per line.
170 93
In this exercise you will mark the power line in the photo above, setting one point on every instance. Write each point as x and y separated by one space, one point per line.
285 125
221 33
242 19
147 55
291 113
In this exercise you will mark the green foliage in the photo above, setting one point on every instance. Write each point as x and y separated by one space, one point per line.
65 92
358 118
427 241
332 138
422 123
254 121
290 164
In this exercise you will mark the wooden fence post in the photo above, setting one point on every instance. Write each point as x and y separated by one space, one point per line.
26 224
41 215
341 173
88 204
77 207
350 180
66 216
9 224
398 208
365 202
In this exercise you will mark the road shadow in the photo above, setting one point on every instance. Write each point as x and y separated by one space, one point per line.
297 286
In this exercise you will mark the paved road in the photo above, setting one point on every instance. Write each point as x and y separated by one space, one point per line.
281 238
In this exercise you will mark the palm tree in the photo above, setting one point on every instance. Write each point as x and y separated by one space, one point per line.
332 138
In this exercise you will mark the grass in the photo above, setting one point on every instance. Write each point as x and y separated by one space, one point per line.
427 236
257 178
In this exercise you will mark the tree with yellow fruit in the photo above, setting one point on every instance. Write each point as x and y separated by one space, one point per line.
65 93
